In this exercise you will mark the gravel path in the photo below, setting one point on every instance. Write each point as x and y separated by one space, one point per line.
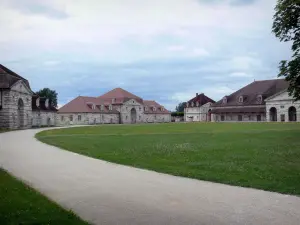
106 193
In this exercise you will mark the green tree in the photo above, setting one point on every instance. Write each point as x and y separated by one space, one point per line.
286 27
50 94
180 107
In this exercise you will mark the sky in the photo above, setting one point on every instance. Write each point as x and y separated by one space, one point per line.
163 50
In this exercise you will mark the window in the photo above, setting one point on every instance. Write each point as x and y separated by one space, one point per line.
110 107
126 117
240 118
113 101
140 108
62 118
126 108
146 108
154 109
155 117
258 117
249 117
224 100
192 104
222 117
93 106
241 99
139 117
259 98
162 109
197 104
71 117
79 117
132 101
282 106
102 107
282 117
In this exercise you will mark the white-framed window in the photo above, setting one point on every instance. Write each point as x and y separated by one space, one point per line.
140 108
79 117
62 118
113 101
241 99
154 109
93 106
192 104
224 100
102 107
71 117
197 104
146 108
162 109
110 107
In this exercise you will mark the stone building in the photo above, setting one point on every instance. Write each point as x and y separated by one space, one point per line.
282 108
117 106
249 103
197 109
16 97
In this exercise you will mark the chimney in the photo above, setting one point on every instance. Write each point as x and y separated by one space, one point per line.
196 94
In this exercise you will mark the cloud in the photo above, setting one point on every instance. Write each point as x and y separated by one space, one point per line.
163 50
45 8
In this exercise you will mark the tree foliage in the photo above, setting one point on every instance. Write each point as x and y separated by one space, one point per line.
50 94
286 27
180 107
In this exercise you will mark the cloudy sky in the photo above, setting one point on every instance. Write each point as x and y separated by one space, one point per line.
165 50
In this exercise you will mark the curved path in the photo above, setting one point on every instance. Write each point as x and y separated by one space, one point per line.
106 193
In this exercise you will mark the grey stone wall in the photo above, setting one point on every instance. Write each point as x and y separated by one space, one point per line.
125 111
12 116
64 119
43 118
234 117
157 118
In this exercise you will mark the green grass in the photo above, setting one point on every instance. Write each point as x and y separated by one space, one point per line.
258 155
20 204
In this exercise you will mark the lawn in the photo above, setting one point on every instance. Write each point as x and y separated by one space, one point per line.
259 155
20 204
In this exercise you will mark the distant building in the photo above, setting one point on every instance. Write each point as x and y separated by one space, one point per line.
197 109
20 107
265 100
117 106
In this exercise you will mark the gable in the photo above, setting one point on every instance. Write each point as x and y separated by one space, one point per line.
132 102
20 86
283 95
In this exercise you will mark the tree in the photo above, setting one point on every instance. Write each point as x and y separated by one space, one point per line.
180 107
48 93
286 27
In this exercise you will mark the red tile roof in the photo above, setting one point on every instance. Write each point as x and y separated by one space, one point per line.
202 99
150 104
120 95
250 93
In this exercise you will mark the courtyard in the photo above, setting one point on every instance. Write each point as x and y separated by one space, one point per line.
258 155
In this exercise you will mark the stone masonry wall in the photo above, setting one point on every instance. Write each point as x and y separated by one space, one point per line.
64 119
43 118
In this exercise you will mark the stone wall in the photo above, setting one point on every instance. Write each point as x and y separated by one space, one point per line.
157 118
197 114
234 117
282 108
43 118
64 119
125 111
16 107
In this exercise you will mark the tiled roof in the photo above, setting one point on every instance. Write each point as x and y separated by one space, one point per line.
150 104
83 104
8 78
250 93
202 99
120 95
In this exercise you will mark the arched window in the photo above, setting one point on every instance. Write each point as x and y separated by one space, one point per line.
259 98
273 114
110 107
292 114
241 99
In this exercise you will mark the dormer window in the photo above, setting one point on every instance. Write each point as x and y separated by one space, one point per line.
102 107
93 106
241 99
146 108
154 109
110 107
113 101
224 100
197 104
192 104
259 98
162 109
187 104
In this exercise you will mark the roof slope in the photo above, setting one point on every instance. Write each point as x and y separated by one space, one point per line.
82 104
152 103
202 99
8 78
266 88
120 95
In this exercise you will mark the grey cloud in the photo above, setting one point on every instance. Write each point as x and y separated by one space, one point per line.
36 7
230 2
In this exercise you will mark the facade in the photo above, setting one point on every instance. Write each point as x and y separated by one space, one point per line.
249 103
197 109
282 108
16 98
117 106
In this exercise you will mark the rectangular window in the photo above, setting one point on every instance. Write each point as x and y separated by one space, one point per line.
240 118
71 117
139 117
282 106
79 117
140 108
282 118
62 118
249 117
258 117
222 117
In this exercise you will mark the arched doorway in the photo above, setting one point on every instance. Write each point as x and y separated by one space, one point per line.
21 114
209 115
273 114
292 114
133 115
